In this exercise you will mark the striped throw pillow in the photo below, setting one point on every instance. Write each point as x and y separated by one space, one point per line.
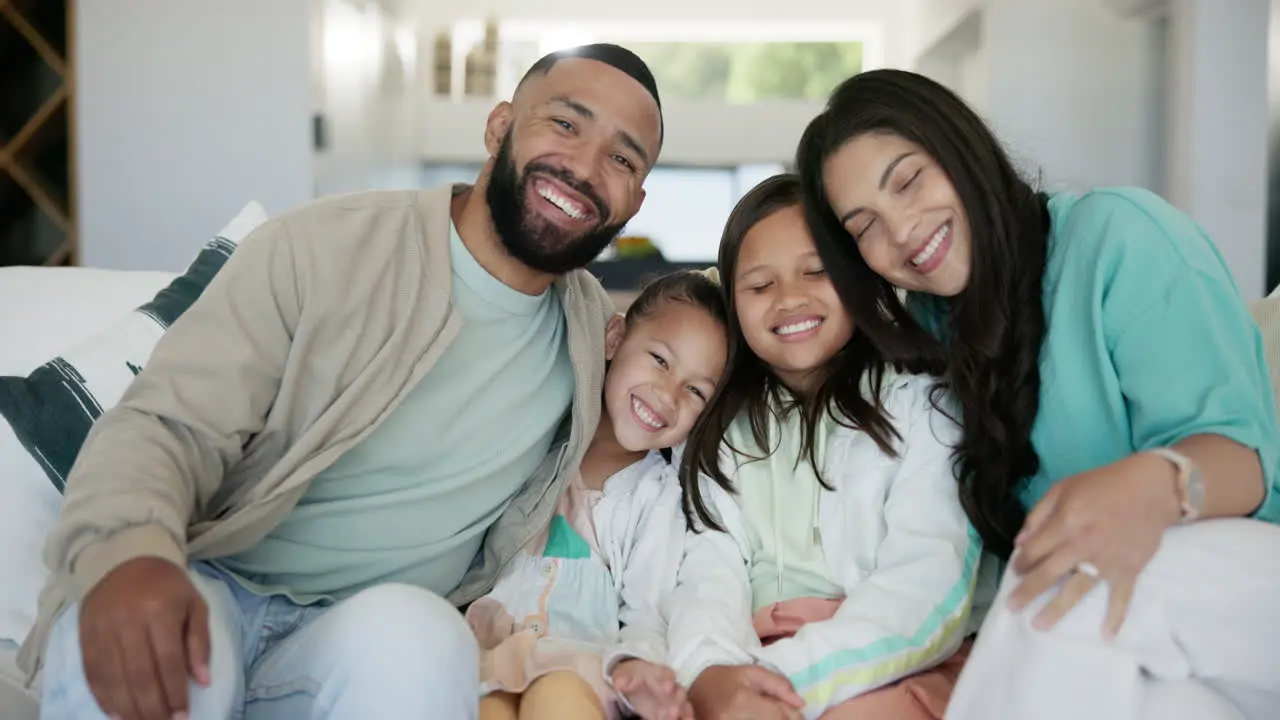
52 409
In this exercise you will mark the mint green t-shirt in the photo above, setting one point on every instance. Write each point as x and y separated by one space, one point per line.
412 501
1148 341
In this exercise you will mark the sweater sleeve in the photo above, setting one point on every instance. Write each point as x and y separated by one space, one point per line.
649 576
910 612
1188 356
710 610
163 450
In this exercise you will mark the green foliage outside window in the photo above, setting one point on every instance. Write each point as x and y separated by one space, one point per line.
750 72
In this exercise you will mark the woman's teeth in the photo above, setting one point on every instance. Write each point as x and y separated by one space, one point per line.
567 206
923 256
798 327
646 416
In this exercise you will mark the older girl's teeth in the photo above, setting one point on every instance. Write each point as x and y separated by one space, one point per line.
565 206
645 415
923 256
799 327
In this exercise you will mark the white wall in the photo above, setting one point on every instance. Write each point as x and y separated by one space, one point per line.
184 112
366 93
1218 112
1073 91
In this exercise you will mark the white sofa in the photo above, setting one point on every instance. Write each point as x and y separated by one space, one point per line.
45 311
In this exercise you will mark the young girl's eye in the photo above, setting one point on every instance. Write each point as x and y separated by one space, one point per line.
659 359
698 393
760 288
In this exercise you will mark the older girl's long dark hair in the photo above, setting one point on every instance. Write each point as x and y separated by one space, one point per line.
749 385
989 345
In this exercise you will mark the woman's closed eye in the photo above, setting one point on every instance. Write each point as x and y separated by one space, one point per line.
911 180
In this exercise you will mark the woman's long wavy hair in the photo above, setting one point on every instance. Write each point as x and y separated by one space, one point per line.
750 386
988 345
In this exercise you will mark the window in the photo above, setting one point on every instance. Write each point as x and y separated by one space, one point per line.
750 72
702 62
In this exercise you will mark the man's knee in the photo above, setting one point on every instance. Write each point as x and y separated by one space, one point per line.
65 687
387 625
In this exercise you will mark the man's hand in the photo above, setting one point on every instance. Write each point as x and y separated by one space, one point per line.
143 630
744 692
652 690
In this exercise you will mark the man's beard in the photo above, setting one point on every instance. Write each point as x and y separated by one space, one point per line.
530 238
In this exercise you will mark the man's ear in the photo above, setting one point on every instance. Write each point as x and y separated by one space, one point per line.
496 127
614 333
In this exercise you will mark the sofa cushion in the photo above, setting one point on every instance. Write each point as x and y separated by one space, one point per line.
52 408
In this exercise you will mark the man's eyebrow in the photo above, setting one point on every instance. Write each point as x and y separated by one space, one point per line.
588 114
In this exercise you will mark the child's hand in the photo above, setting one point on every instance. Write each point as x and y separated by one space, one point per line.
736 691
652 690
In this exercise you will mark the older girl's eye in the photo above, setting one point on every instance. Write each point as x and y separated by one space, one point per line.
698 393
659 359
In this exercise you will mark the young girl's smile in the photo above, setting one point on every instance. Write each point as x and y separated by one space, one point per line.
663 370
790 314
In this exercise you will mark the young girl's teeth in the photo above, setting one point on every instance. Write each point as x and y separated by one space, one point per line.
643 412
923 256
799 327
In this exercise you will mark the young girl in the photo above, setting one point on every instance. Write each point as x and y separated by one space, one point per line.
828 545
1114 391
549 631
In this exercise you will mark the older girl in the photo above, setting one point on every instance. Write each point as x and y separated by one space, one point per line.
831 568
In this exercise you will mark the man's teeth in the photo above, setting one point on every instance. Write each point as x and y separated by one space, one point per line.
799 327
561 202
923 256
642 411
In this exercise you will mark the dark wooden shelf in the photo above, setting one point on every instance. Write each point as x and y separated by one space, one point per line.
37 193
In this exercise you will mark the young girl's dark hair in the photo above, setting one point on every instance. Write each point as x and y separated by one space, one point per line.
687 286
989 349
749 385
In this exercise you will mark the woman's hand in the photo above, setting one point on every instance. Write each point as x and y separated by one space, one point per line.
1112 518
744 692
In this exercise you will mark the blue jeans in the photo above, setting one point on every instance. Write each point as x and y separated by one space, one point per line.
389 651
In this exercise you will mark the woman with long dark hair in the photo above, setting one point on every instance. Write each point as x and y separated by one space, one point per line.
1114 397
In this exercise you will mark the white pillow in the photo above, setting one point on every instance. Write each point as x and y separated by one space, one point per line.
45 415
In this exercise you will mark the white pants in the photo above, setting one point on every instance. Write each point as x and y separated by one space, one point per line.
1201 640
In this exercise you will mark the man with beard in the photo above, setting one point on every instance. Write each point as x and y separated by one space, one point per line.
367 413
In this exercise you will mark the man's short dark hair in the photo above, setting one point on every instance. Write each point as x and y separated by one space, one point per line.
614 56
